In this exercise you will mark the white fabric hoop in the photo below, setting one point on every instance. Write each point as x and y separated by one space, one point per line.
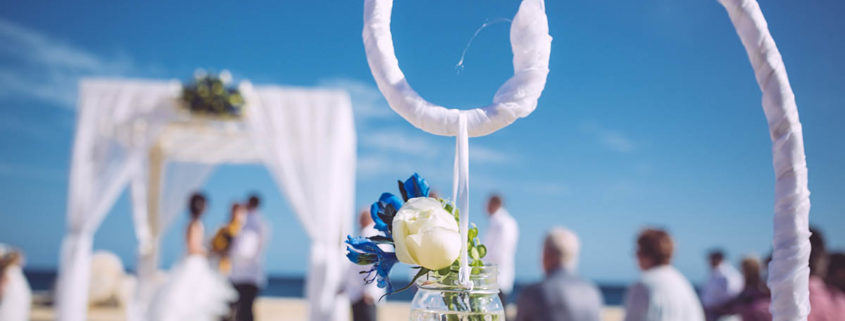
516 98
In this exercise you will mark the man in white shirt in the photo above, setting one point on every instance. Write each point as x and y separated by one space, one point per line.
363 296
247 273
500 240
662 293
723 284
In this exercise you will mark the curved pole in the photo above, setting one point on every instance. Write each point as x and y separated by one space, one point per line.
789 270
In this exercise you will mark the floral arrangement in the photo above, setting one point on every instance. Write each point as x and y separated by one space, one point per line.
422 231
212 95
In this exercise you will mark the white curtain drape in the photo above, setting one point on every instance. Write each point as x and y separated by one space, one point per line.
127 131
115 126
789 271
307 139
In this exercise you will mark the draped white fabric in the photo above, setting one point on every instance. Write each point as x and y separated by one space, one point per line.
132 132
307 141
788 272
115 126
531 45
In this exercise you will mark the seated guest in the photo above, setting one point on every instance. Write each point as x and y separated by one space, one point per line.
662 293
825 304
562 295
723 284
752 304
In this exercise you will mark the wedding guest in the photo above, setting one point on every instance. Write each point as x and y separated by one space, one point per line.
15 293
247 273
662 293
836 278
221 243
826 305
723 284
500 239
752 303
562 295
836 272
362 295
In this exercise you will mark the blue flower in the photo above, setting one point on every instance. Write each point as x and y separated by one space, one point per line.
383 212
414 186
363 251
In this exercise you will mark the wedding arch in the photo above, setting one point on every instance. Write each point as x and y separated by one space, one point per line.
517 98
130 132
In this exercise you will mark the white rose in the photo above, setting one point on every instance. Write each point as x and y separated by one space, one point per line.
425 234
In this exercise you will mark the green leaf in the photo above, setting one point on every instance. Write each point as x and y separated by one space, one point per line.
473 232
473 253
482 251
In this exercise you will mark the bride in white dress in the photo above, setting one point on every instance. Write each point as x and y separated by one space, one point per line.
194 290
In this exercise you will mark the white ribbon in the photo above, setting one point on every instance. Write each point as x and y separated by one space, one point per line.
460 193
516 98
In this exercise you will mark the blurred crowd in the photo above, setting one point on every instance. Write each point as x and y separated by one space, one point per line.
661 293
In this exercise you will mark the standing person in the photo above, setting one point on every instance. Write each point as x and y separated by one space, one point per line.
501 238
247 274
723 284
562 295
836 272
363 295
825 304
752 304
15 293
662 293
193 291
221 243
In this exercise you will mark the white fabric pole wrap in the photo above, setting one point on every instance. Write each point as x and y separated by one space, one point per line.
531 46
789 271
460 193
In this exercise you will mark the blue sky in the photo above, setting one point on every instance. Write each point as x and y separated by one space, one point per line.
651 115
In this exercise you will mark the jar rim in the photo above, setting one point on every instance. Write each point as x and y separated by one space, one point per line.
483 279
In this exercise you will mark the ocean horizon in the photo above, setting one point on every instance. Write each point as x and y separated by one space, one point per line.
288 286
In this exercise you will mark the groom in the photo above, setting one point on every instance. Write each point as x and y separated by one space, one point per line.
247 273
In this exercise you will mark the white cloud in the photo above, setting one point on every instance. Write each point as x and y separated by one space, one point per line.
400 142
609 138
367 101
44 68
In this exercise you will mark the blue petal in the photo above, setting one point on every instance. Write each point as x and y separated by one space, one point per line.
390 199
380 225
416 186
363 250
382 214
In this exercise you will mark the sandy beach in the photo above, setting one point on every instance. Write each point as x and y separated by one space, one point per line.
279 309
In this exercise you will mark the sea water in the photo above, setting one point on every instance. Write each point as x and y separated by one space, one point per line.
422 315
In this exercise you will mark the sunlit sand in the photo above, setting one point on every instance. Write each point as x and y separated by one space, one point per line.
279 309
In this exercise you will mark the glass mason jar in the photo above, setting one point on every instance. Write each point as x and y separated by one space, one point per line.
441 298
